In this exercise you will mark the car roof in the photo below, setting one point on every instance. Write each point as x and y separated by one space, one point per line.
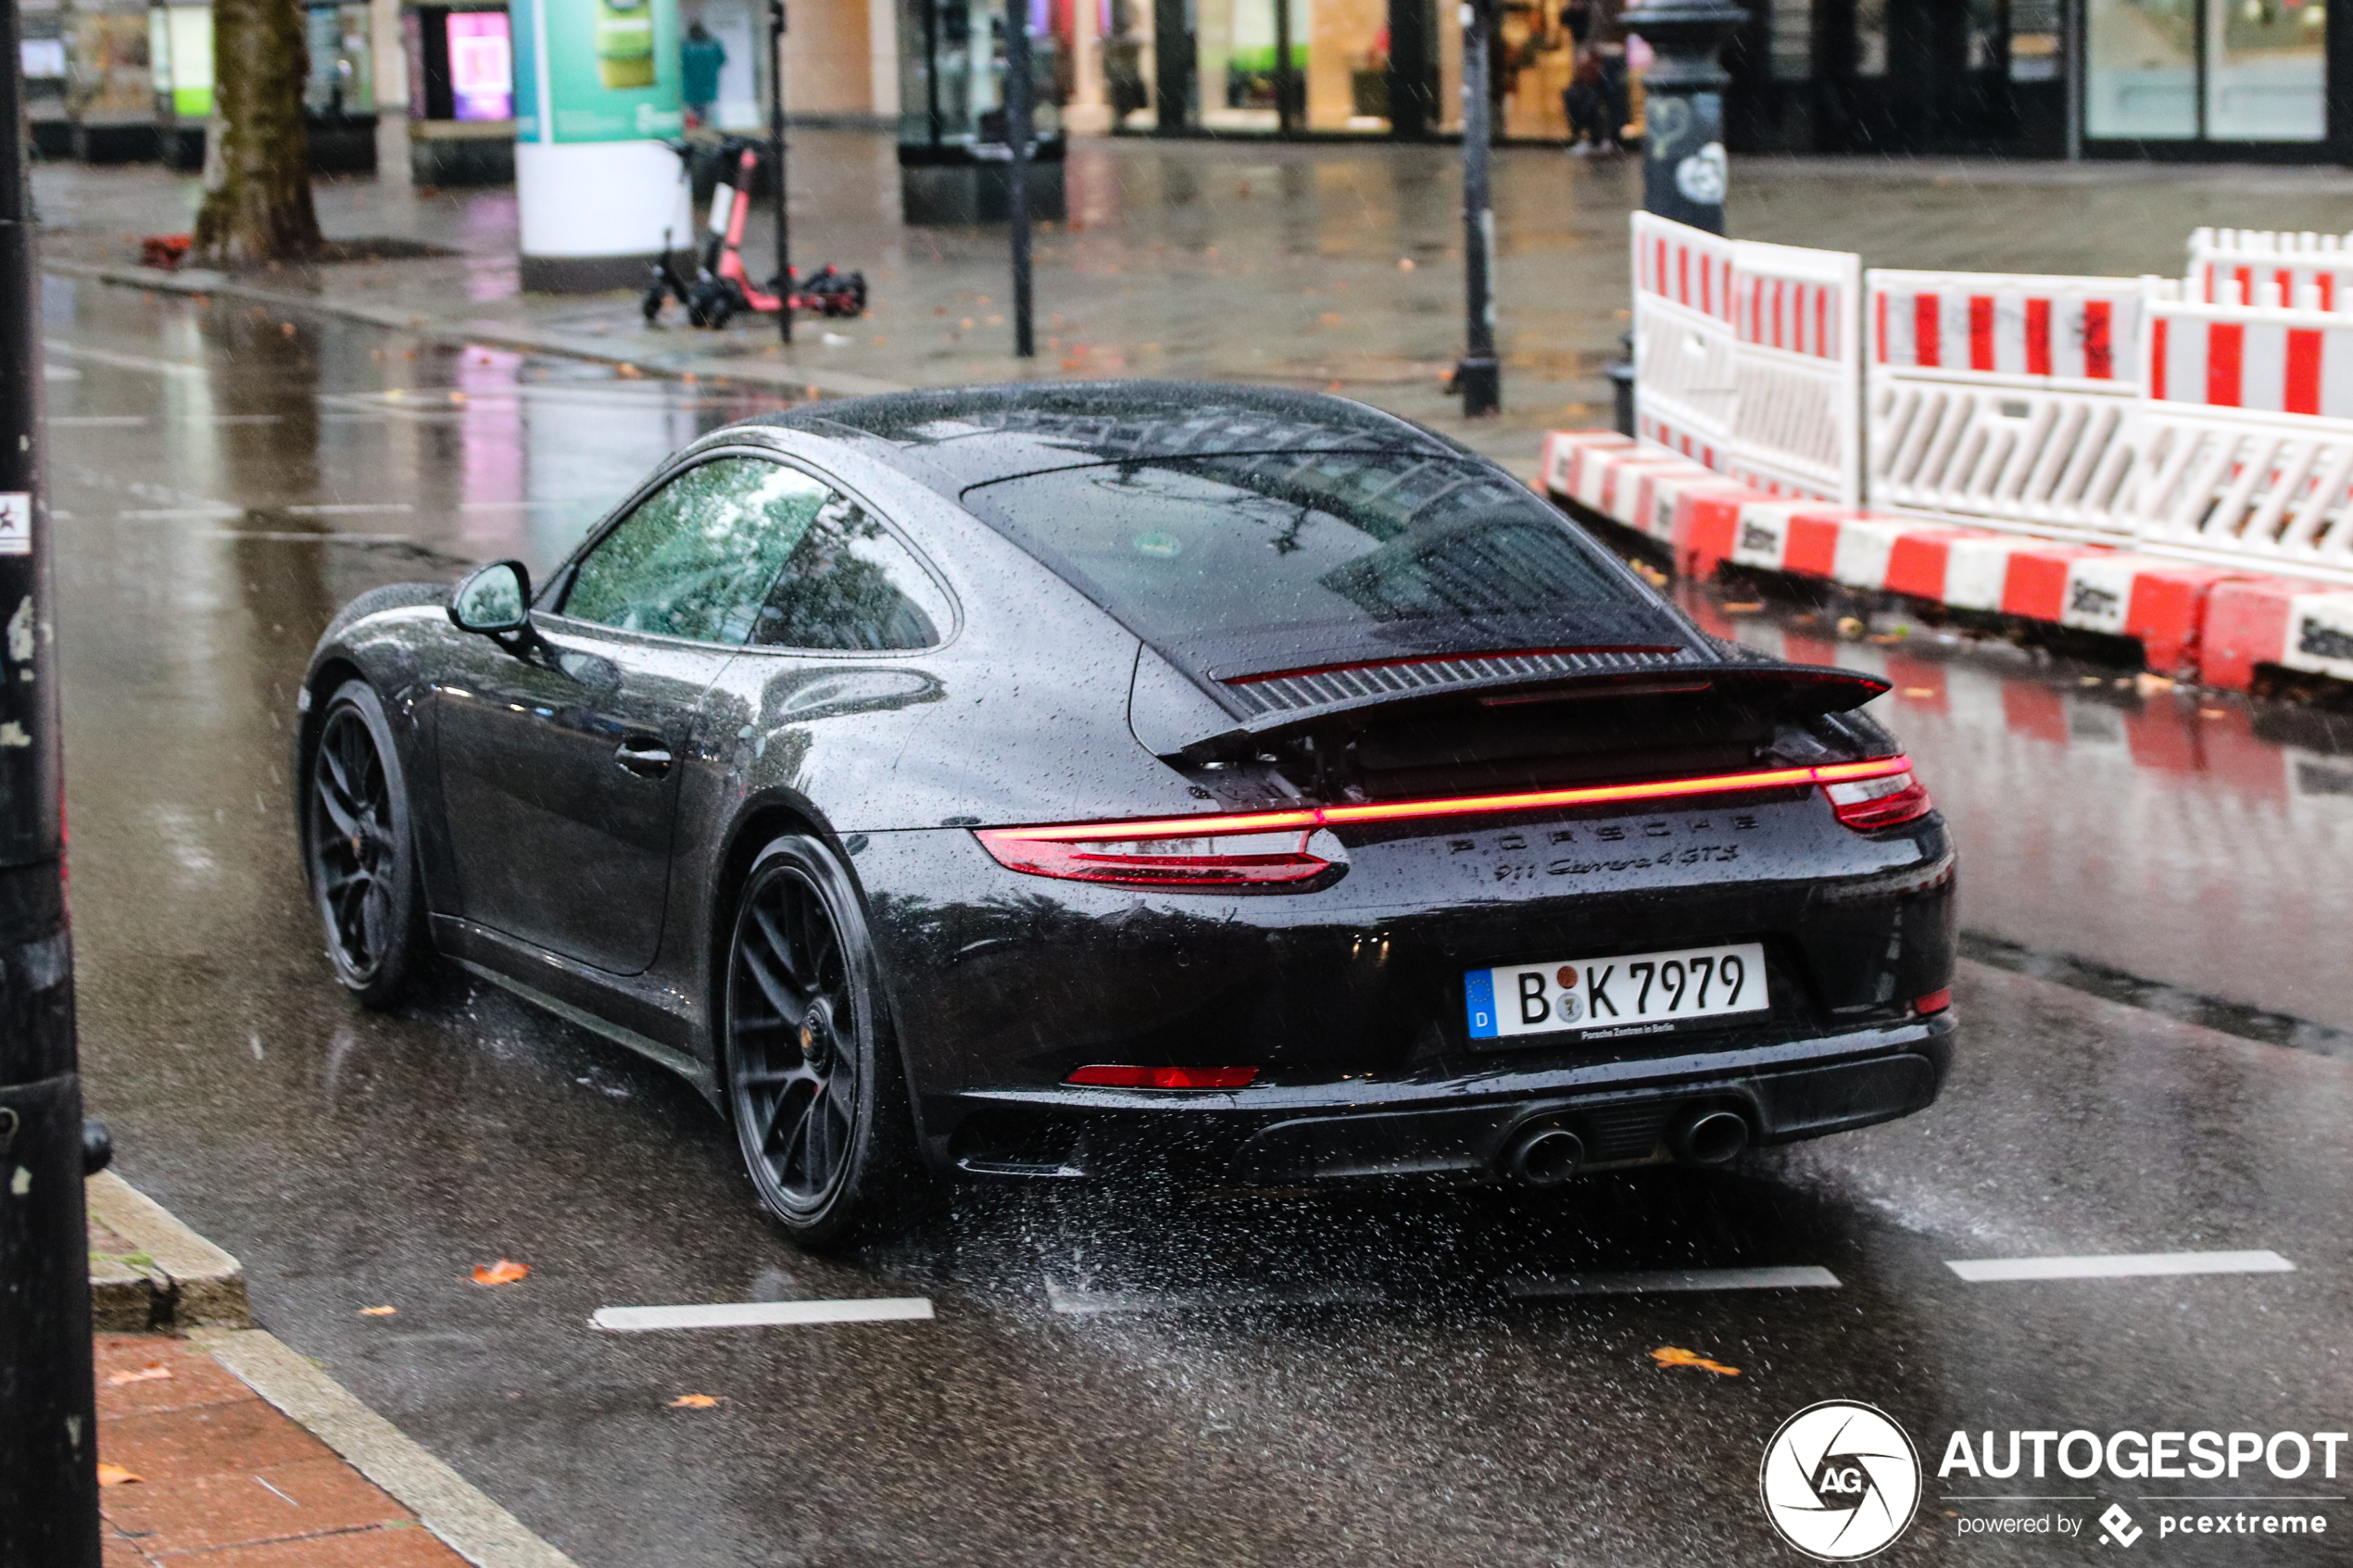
954 439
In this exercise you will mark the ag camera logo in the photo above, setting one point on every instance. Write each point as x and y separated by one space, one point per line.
1840 1481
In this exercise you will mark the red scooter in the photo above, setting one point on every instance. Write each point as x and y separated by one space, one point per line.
722 289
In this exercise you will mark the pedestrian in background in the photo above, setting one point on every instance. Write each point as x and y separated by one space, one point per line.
700 57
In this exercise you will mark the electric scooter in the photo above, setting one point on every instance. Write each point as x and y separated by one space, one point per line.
721 288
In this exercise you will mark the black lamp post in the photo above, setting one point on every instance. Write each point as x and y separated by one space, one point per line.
1683 168
48 1419
1478 375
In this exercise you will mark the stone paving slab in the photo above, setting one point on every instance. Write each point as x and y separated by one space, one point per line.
225 1480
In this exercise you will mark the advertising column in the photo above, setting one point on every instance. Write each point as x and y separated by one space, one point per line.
596 92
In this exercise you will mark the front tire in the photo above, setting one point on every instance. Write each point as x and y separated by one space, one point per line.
813 1086
360 849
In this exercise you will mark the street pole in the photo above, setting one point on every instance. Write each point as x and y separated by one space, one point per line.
48 1413
1683 165
1018 94
776 157
1478 378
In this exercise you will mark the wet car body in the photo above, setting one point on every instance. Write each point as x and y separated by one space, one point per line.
606 892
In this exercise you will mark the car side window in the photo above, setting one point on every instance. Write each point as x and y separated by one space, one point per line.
849 584
697 558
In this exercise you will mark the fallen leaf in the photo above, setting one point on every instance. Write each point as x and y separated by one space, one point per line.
115 1476
1675 1355
1405 264
503 1271
1742 610
377 1312
1850 628
148 1374
694 1402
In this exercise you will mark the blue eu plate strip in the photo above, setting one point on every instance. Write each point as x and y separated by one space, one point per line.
1479 995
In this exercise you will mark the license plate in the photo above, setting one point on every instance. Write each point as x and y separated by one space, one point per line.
1633 993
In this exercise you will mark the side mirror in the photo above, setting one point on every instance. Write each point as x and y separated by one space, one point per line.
496 599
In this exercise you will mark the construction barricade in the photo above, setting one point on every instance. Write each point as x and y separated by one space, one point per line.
2004 400
1748 358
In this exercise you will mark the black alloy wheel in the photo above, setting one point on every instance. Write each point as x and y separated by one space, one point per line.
362 854
812 1082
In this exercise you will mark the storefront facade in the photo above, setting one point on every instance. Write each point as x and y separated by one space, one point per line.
2183 79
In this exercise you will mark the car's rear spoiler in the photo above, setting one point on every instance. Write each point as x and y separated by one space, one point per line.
1174 717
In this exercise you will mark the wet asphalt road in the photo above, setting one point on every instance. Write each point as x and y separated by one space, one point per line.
1333 1378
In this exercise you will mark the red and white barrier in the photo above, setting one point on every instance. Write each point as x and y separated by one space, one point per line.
1748 358
2296 624
2259 267
2004 400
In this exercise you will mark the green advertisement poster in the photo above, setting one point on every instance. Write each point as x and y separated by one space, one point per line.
596 70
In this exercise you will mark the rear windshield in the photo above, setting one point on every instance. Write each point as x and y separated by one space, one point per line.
1249 562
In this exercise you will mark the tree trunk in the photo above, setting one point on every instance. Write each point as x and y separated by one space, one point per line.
257 207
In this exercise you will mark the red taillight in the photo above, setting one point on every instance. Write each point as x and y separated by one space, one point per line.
1935 1001
1224 850
1165 1077
1212 860
1866 805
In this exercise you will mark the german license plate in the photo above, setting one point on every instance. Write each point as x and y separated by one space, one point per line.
1633 994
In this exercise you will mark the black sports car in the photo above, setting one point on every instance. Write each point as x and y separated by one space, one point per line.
1045 782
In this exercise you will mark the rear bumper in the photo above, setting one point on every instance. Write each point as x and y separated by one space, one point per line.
1460 1126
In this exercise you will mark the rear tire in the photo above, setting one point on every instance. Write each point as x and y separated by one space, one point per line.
815 1090
359 849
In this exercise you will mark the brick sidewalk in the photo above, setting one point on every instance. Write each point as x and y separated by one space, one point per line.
226 1481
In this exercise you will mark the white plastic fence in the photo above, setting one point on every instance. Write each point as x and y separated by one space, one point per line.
2247 433
1683 339
1748 358
2245 266
2210 418
2001 400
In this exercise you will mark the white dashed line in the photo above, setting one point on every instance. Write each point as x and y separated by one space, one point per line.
348 509
762 1314
2119 1265
1658 1281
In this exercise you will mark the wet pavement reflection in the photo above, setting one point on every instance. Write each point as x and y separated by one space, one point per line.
1138 1376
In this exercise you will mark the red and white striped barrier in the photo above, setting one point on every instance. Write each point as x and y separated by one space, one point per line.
2265 267
1711 523
2295 624
1748 358
2004 400
2237 357
2017 327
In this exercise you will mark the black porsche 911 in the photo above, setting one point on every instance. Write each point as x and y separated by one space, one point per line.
1050 782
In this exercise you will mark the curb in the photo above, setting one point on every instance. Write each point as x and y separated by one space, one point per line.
445 1503
164 1276
494 335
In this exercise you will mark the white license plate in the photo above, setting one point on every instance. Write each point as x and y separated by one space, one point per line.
1633 994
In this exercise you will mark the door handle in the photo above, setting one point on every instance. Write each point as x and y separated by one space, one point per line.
644 755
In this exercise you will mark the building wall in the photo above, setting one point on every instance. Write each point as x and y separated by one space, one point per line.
829 66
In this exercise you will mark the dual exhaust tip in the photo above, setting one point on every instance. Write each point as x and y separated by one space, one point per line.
1545 1154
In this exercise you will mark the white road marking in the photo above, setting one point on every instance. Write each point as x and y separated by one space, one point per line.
1094 1303
97 421
180 514
1658 1281
762 1314
2119 1265
348 509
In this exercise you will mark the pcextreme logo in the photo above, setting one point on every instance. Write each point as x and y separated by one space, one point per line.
1840 1480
